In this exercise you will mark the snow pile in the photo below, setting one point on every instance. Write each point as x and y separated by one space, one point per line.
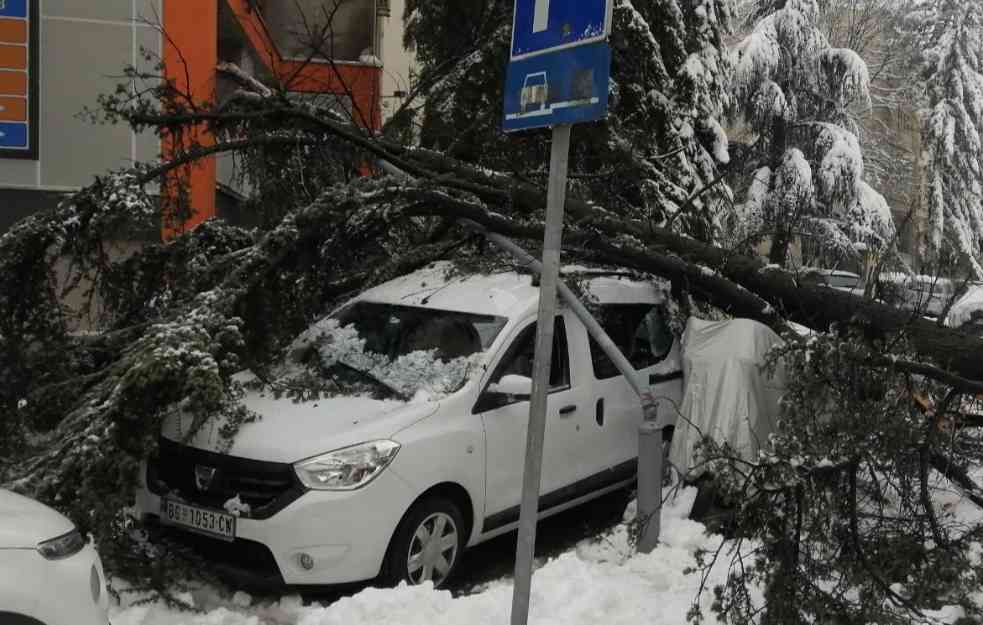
599 581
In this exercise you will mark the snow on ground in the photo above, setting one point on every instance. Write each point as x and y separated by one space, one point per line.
599 581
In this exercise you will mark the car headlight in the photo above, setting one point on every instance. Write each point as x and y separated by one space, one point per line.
348 468
63 546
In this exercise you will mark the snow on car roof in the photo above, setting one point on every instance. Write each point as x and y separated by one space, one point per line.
506 294
830 272
962 311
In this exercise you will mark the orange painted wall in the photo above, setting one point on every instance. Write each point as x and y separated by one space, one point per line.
13 83
362 81
190 57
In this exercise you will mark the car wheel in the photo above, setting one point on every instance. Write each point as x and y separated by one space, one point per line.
427 544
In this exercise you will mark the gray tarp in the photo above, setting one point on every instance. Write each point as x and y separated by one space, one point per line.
726 393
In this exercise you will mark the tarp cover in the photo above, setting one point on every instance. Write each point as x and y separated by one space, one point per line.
727 394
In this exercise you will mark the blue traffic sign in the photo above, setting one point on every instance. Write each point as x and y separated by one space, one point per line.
13 135
543 26
565 87
13 8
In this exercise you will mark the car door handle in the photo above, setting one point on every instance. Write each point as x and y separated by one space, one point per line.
567 410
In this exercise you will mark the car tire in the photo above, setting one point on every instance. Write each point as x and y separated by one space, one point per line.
427 544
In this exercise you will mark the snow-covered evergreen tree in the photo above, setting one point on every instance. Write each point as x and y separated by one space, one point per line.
952 130
803 170
656 157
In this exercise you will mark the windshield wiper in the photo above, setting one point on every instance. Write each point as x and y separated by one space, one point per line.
378 382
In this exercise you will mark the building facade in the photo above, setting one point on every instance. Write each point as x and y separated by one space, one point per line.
399 72
58 56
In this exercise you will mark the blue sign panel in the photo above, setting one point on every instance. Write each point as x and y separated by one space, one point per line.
13 8
13 135
566 87
542 26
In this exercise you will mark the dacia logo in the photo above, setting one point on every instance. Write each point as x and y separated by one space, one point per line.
204 477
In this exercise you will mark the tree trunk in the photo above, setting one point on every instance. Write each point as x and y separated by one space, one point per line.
740 285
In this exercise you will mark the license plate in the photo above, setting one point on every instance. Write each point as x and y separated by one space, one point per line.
201 520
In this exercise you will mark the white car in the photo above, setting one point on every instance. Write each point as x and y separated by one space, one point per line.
845 281
352 488
967 311
49 573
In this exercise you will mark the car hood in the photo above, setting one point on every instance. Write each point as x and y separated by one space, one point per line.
24 522
288 431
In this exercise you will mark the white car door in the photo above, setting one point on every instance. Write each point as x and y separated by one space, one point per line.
505 419
642 333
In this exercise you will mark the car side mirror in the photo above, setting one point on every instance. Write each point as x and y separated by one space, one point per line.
509 390
514 385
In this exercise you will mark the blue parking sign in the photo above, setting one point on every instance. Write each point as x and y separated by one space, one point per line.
560 63
566 87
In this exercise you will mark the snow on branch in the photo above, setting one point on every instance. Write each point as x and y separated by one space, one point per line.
770 103
793 182
841 166
870 218
846 75
953 132
757 57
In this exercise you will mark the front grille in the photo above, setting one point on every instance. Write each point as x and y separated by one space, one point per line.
267 487
246 563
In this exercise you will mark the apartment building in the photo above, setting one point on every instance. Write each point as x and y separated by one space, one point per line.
58 56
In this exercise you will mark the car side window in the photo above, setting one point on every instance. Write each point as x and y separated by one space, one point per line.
519 358
641 332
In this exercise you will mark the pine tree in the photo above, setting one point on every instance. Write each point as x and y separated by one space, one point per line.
658 154
804 171
952 130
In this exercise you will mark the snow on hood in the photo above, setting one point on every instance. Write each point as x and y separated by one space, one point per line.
289 431
24 522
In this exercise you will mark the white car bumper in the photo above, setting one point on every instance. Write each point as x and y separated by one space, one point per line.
345 533
71 591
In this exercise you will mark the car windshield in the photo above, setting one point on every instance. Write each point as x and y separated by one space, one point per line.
842 281
405 350
393 330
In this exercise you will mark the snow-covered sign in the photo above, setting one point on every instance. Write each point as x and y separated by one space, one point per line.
560 64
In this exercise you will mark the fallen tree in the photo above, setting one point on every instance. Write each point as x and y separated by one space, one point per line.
496 196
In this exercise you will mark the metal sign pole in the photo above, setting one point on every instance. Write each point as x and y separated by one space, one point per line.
555 200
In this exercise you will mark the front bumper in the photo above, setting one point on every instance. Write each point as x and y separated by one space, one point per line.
345 533
71 591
